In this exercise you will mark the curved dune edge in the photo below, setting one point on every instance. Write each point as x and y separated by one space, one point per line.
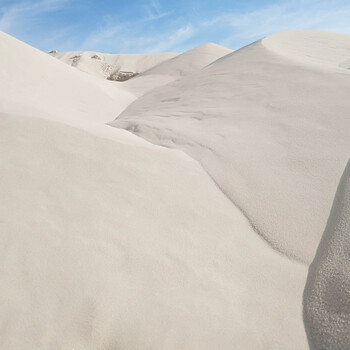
260 125
170 70
327 292
190 61
312 47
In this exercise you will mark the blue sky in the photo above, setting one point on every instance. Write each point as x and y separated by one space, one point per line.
143 26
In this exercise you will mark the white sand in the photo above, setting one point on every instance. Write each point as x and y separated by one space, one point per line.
110 242
35 84
112 246
327 293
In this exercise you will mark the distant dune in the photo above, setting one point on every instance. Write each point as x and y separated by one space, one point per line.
103 65
190 224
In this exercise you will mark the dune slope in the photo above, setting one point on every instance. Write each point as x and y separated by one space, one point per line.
326 297
36 84
113 246
272 131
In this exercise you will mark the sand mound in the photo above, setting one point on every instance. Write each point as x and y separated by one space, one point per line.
122 244
272 132
327 293
112 246
37 84
104 65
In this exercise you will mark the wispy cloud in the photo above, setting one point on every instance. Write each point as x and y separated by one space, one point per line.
18 14
154 11
105 36
328 15
174 41
126 37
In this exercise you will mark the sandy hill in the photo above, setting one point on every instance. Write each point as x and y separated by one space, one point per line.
104 65
120 242
272 131
110 241
43 86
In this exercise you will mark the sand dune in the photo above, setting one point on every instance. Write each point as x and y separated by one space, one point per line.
273 133
39 84
109 241
124 247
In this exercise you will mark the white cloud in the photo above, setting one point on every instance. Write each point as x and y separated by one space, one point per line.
126 38
328 15
172 41
154 11
17 15
105 36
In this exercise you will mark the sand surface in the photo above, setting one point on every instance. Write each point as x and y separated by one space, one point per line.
109 241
